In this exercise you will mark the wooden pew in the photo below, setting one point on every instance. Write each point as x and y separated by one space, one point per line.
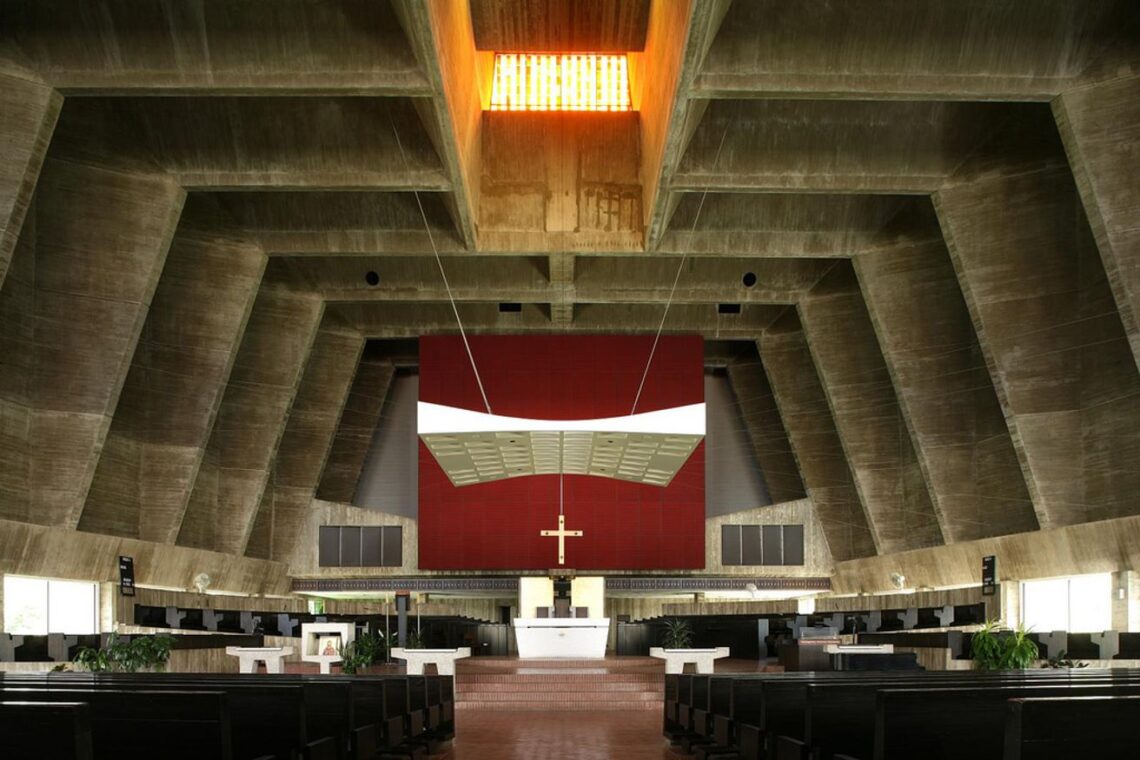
1062 728
840 716
128 724
441 693
266 716
59 730
760 712
948 724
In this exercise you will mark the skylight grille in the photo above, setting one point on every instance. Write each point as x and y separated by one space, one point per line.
568 82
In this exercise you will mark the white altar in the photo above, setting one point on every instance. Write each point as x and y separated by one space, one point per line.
675 659
248 657
443 659
572 638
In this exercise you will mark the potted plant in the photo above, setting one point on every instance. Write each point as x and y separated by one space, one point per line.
127 655
678 634
358 655
995 648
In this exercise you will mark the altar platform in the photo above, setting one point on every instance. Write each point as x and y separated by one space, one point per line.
511 683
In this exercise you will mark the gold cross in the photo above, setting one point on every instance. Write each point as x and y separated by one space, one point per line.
562 533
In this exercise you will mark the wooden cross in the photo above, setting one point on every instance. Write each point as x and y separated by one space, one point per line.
562 533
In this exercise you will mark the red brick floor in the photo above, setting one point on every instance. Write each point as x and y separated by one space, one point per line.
616 734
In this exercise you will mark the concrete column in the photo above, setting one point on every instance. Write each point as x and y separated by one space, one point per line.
267 372
769 439
811 430
1047 323
944 391
306 442
868 420
354 433
1126 601
17 400
174 388
28 112
1100 127
101 237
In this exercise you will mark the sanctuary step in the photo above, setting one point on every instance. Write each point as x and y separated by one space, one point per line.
615 683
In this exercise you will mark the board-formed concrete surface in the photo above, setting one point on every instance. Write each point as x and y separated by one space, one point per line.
936 203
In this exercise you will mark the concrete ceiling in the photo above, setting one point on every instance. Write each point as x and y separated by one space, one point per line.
938 201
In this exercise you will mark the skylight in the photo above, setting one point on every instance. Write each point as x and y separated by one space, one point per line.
567 82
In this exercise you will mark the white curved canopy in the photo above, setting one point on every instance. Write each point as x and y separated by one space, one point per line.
475 447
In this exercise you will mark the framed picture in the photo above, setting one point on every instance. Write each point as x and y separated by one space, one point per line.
329 646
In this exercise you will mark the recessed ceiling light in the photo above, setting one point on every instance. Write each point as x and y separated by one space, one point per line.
372 278
749 279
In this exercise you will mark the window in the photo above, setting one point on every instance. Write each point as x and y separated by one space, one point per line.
38 606
762 544
1078 604
360 546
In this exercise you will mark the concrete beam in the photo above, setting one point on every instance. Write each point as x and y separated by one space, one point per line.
306 442
27 549
1047 323
294 47
593 279
870 424
232 479
276 143
562 266
82 288
677 40
794 225
558 26
17 389
844 146
389 319
1099 547
875 50
811 431
443 41
169 402
944 392
354 431
1100 127
576 187
28 110
761 418
316 223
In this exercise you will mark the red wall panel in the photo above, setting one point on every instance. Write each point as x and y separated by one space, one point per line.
628 526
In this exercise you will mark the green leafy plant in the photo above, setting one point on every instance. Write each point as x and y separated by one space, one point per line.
367 649
996 648
678 634
127 655
415 640
1061 660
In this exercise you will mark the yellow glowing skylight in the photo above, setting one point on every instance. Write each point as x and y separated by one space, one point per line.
568 82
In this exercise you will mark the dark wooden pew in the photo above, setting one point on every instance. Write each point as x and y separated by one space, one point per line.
764 707
840 716
949 724
127 724
1062 728
267 716
59 730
